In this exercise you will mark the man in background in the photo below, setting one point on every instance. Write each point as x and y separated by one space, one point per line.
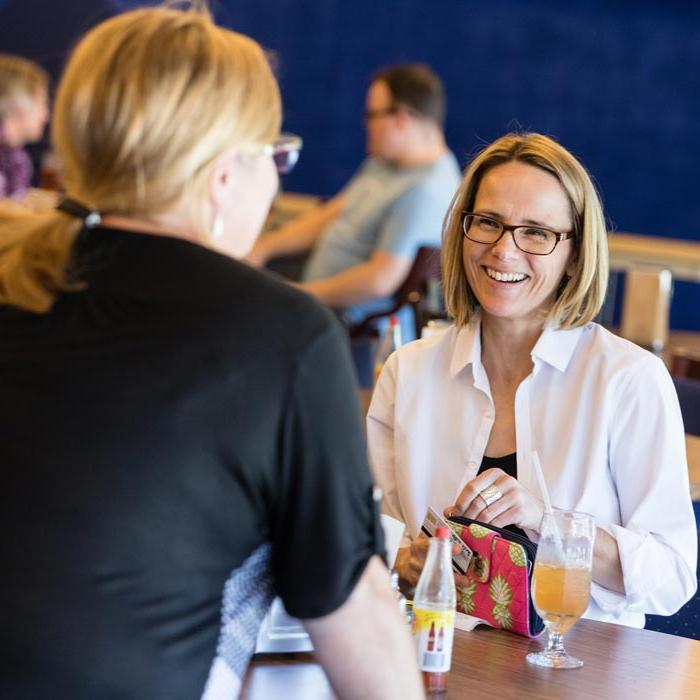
363 241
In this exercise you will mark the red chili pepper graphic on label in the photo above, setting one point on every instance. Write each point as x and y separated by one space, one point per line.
431 637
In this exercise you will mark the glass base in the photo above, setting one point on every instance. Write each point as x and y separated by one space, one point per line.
554 659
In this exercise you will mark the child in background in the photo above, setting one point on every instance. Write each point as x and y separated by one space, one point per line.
24 112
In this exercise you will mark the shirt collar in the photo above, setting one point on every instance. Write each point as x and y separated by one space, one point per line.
467 347
555 347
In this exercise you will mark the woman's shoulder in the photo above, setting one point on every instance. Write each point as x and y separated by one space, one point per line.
615 357
227 298
599 339
427 352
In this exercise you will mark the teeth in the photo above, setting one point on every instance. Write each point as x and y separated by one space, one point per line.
505 276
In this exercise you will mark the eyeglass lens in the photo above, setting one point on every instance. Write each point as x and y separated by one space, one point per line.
285 152
374 113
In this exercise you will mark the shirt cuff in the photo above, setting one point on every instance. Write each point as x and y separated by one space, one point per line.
643 573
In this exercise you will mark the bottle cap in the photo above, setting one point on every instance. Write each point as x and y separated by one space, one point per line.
442 533
393 320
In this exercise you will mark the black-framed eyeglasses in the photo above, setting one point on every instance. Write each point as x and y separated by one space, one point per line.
383 112
284 151
536 240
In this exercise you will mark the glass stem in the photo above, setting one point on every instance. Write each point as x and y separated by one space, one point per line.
555 643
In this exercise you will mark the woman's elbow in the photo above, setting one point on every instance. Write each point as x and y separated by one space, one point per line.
678 591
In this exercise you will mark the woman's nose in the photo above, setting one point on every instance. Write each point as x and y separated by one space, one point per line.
505 245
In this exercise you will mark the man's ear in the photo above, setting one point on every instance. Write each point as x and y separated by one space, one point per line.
403 117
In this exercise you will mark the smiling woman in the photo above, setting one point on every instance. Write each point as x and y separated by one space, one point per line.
567 203
524 368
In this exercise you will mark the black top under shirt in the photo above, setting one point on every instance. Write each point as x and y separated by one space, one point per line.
181 418
509 464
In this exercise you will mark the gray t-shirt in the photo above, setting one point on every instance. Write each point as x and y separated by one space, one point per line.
386 208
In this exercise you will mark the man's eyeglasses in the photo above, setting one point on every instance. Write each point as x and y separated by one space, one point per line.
536 240
284 152
383 112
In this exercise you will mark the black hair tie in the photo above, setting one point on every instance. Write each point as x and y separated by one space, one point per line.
91 217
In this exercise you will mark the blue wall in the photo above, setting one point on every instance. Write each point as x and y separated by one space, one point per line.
616 82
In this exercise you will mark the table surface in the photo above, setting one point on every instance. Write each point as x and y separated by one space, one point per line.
620 663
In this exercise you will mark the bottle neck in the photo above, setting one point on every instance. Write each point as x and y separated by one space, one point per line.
436 584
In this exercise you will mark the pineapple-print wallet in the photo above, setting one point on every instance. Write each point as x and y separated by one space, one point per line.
499 576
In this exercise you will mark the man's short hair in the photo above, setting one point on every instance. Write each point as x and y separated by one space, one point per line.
417 87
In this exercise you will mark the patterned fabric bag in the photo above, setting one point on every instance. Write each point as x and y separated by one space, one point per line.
499 575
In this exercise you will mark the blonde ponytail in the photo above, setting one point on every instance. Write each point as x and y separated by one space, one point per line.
34 253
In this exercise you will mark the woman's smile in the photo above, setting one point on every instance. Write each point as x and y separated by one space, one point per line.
505 277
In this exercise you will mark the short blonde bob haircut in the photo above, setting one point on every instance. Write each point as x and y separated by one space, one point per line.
580 296
19 78
148 101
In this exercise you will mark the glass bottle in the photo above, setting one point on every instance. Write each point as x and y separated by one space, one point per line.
434 613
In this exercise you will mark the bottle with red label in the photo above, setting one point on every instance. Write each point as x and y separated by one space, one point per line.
434 613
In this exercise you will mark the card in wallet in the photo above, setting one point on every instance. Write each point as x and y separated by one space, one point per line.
432 521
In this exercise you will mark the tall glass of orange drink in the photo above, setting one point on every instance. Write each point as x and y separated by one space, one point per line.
561 581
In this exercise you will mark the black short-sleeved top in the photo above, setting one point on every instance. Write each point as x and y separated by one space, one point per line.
181 422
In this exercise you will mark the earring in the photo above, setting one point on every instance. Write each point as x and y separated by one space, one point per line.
217 226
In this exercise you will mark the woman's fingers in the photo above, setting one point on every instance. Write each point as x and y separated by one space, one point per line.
511 516
461 580
517 506
486 511
409 562
470 500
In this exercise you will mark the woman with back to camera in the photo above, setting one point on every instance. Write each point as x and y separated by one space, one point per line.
172 422
454 419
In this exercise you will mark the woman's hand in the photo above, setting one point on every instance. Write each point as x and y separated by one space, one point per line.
410 560
515 506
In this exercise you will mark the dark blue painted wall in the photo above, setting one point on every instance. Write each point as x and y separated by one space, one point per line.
616 82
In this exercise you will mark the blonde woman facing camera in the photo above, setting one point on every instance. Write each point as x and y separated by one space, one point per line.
175 426
454 419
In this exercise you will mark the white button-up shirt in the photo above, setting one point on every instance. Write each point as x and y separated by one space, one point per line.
603 416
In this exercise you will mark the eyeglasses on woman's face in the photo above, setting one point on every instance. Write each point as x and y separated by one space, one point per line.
536 240
284 152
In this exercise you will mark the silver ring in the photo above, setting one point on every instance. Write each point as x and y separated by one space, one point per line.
491 494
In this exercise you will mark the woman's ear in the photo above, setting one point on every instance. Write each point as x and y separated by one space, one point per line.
222 178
